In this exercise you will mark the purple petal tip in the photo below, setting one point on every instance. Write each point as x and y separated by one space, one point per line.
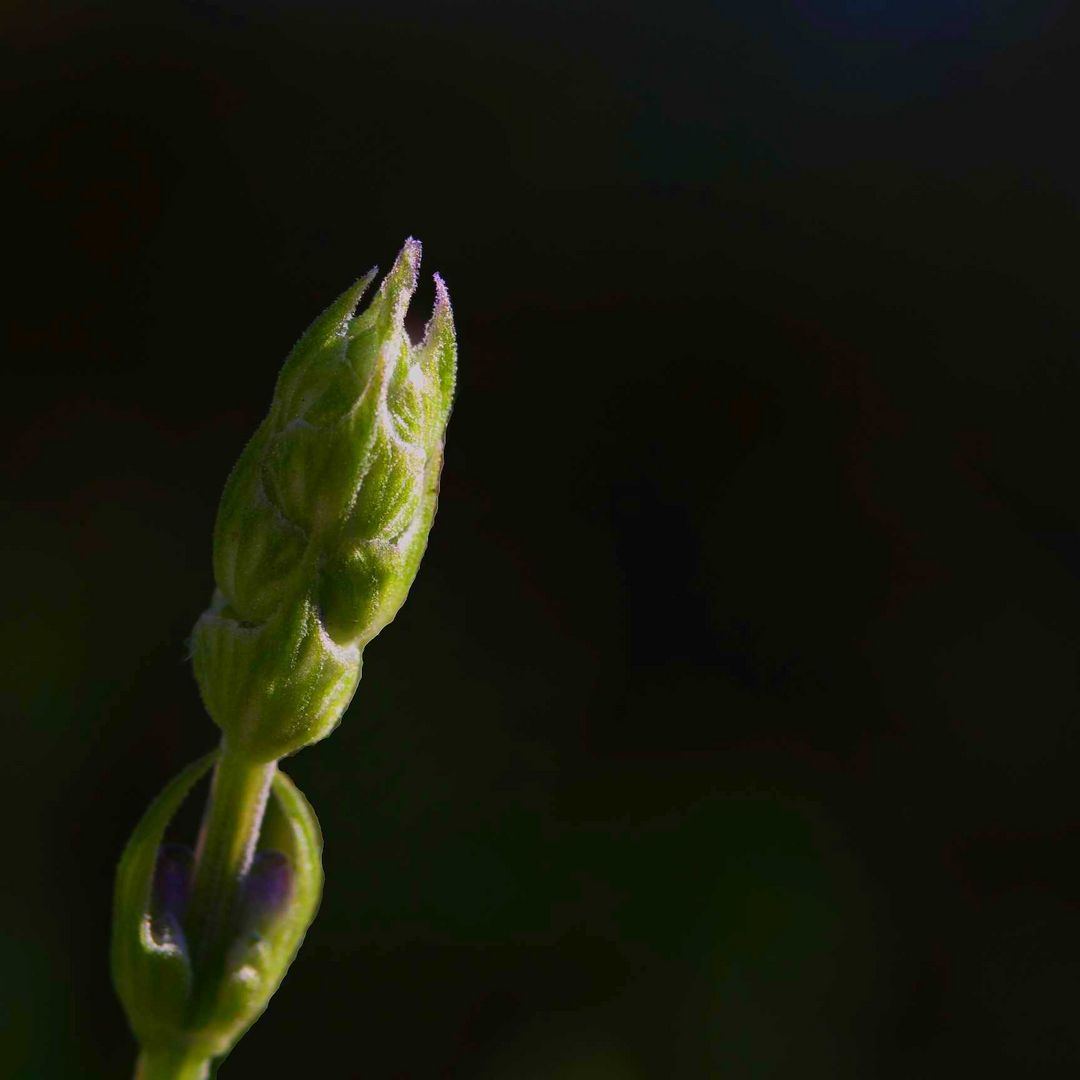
269 886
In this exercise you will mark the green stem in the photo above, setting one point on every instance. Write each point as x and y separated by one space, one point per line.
223 854
174 1063
226 845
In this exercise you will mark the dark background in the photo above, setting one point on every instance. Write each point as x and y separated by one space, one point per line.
730 728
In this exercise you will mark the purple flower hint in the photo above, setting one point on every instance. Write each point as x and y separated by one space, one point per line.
267 889
170 891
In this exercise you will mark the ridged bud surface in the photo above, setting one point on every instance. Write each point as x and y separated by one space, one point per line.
325 516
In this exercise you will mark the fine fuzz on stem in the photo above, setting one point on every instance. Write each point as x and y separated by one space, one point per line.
320 532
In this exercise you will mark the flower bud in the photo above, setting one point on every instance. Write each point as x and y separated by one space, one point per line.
325 516
277 904
150 960
170 1000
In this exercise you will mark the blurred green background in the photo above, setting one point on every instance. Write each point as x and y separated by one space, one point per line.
730 728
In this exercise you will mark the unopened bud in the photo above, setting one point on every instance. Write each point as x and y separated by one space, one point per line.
170 999
325 516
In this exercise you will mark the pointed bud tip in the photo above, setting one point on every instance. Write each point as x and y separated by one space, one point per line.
355 293
398 286
407 264
442 314
442 294
361 284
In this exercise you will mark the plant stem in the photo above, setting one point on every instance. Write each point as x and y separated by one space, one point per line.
174 1063
227 838
223 854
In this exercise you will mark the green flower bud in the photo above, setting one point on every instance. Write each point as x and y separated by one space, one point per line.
150 960
173 1004
277 903
325 517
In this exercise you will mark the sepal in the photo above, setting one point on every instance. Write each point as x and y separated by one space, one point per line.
172 1002
151 964
279 900
276 686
